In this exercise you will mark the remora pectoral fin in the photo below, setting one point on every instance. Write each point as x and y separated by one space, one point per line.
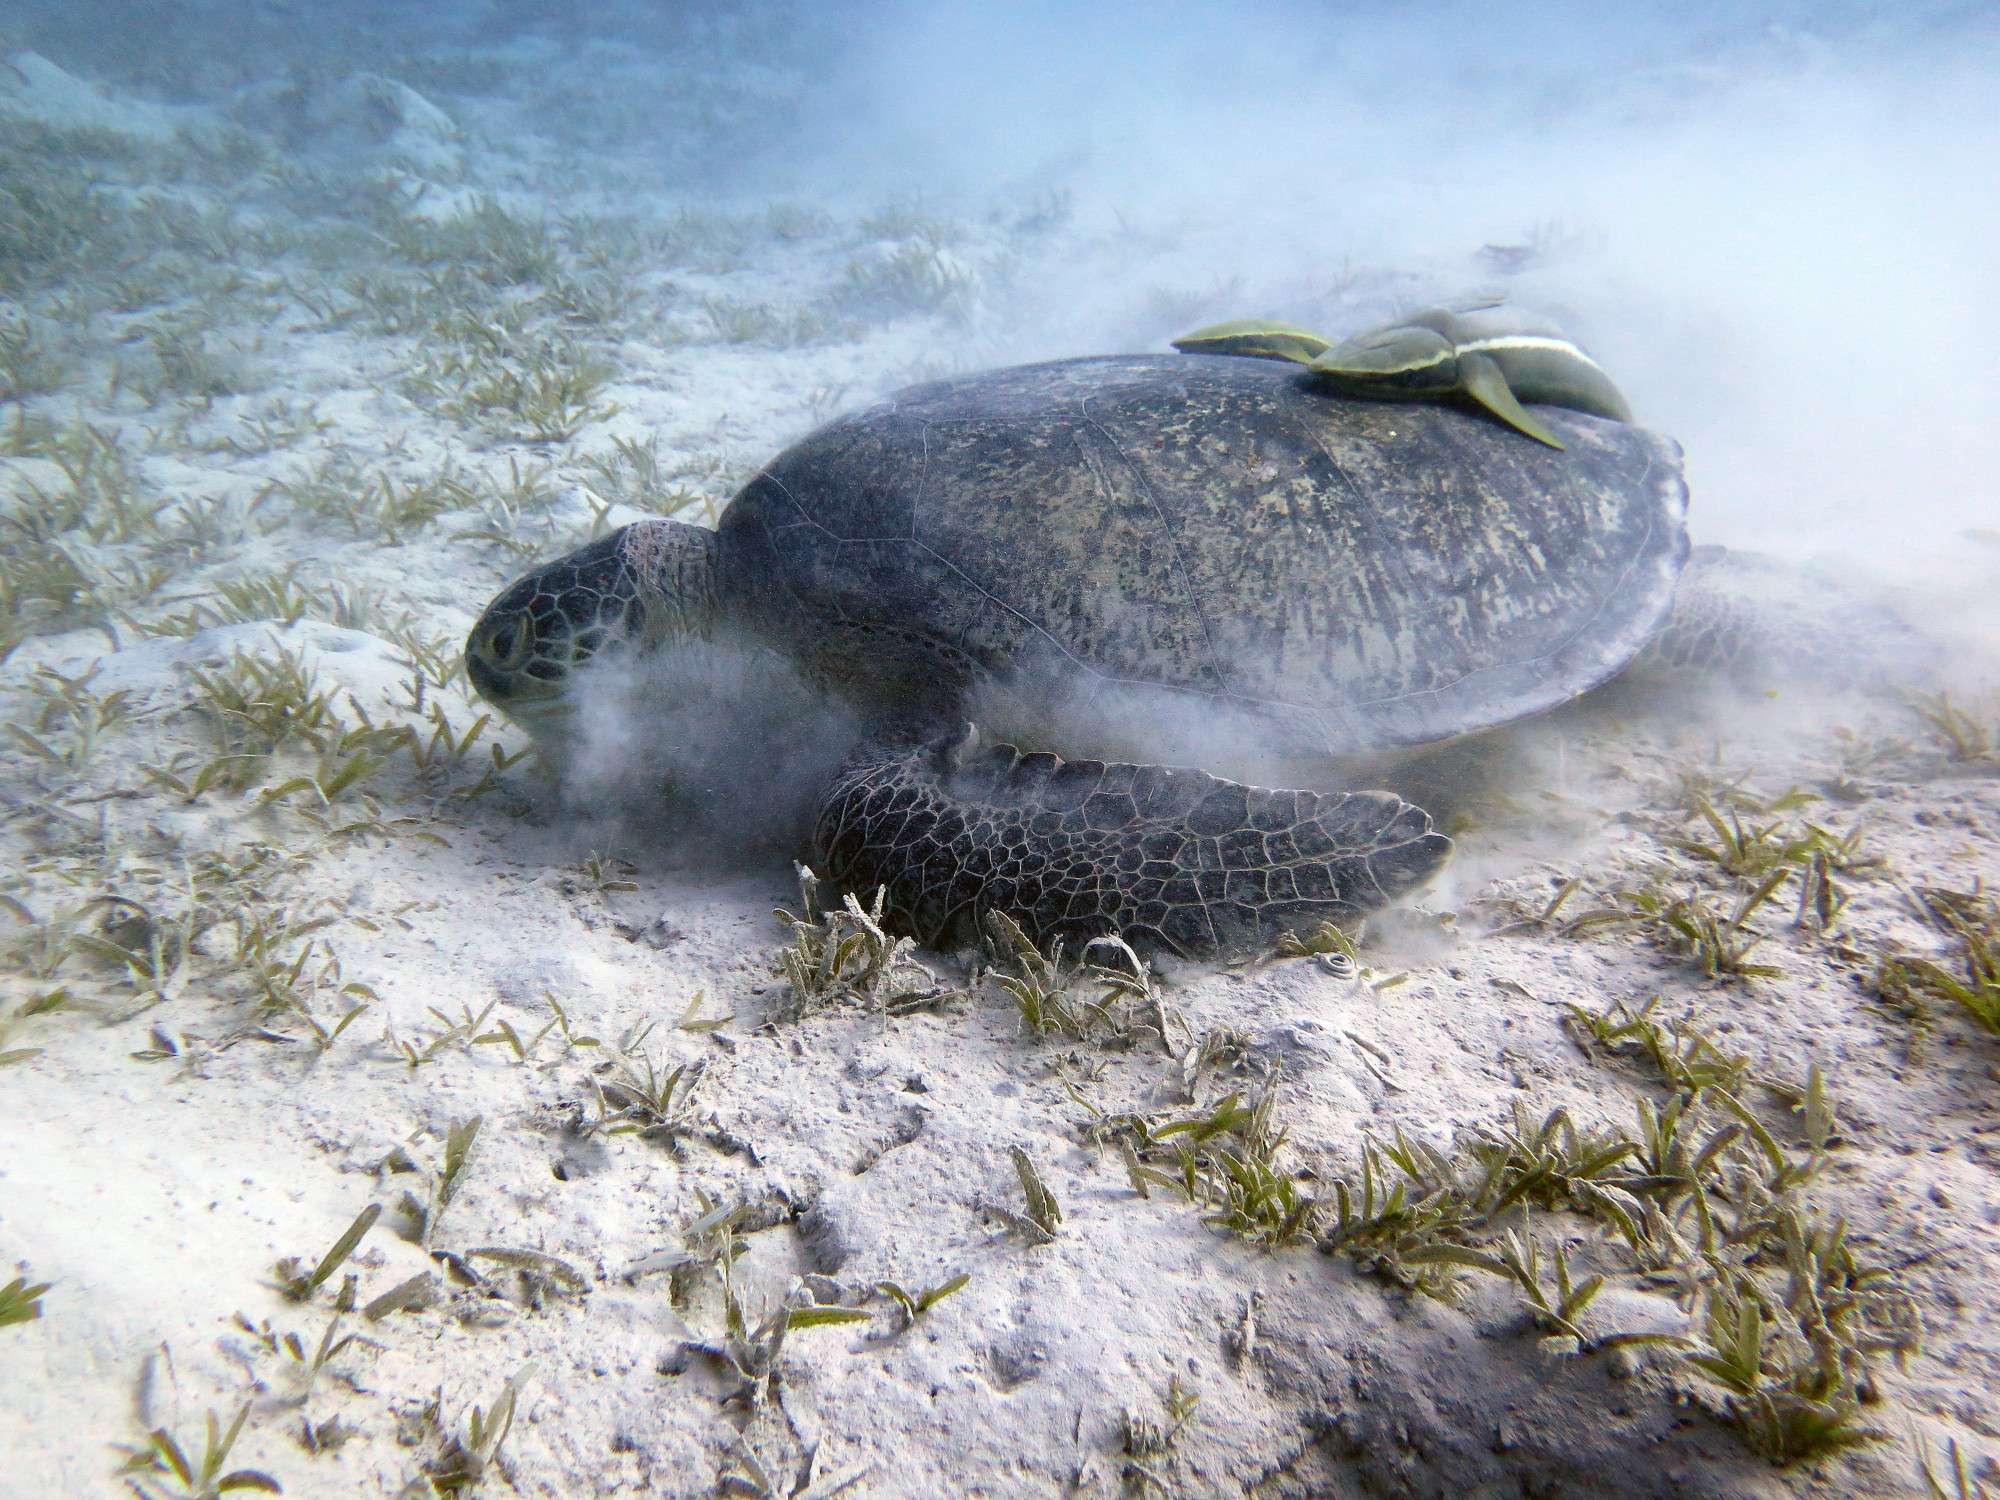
1481 379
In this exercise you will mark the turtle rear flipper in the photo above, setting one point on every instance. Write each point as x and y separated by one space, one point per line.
1759 623
1079 849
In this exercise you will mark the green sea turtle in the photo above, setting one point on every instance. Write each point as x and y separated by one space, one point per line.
1145 564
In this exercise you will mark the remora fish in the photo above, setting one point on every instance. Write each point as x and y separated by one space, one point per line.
1255 338
1492 359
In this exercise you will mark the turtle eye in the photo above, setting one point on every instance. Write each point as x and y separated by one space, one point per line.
509 645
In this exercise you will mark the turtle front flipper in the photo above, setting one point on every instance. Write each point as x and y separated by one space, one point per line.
1079 849
1480 378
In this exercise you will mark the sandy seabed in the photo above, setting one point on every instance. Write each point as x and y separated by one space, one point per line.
297 933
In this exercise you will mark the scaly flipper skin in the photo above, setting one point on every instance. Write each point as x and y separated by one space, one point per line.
1078 849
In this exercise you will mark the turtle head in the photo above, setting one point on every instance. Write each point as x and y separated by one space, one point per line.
623 594
1401 360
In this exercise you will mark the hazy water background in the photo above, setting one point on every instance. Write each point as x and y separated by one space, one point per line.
1779 226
